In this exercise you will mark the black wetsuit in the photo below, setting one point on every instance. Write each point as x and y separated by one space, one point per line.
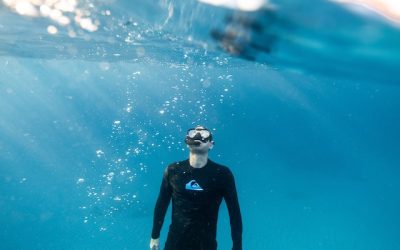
196 196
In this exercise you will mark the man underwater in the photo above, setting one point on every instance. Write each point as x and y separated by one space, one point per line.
196 186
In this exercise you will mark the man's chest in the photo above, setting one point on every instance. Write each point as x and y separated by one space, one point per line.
195 184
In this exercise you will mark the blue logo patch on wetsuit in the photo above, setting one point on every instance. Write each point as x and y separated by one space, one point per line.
193 185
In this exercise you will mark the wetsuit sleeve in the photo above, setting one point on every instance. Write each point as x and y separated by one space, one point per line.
161 207
231 199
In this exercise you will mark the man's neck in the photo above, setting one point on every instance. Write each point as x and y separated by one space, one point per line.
198 160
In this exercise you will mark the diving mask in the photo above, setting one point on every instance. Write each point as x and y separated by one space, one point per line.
195 135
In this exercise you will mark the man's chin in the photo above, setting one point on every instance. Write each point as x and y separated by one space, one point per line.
197 150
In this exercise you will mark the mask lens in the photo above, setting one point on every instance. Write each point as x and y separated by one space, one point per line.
192 133
204 133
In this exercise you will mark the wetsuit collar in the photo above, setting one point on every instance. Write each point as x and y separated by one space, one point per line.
207 163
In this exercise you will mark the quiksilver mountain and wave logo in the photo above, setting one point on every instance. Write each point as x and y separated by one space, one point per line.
193 185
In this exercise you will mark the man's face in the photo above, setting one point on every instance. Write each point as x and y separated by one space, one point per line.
204 147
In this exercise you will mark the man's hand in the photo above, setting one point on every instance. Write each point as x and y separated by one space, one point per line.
155 244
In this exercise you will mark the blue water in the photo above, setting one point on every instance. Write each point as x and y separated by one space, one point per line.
310 129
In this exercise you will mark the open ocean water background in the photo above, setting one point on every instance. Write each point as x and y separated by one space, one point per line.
306 116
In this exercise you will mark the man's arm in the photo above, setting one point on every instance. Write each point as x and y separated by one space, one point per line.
162 205
231 199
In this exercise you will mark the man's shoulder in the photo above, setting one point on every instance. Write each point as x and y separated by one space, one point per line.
176 164
220 168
